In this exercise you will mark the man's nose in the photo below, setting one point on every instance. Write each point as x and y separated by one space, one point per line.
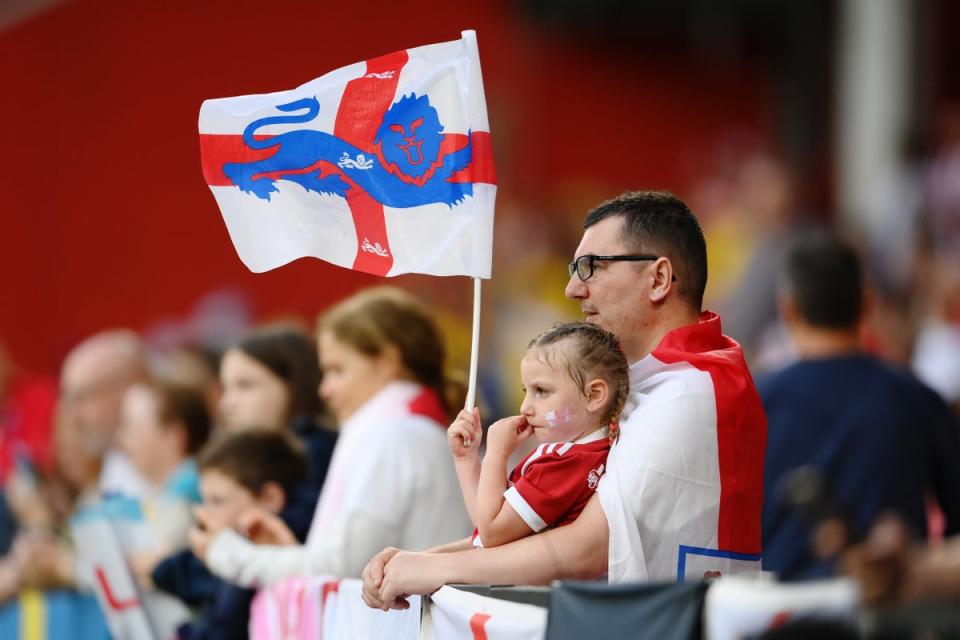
576 288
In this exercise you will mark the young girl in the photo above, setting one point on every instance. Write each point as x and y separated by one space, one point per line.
575 380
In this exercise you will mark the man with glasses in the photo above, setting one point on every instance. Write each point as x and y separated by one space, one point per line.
683 490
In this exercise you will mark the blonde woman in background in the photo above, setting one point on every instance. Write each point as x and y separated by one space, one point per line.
391 480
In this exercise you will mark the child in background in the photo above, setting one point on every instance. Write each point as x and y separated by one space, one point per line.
247 469
163 425
575 378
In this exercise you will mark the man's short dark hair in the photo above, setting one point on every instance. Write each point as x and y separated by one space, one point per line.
661 223
254 458
824 277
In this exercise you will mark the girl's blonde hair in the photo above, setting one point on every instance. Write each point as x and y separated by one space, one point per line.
589 352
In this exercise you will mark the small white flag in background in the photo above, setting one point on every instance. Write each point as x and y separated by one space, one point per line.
383 166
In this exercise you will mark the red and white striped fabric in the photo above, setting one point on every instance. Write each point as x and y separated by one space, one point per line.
382 166
458 615
683 488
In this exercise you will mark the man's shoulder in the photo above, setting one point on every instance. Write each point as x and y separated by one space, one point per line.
896 383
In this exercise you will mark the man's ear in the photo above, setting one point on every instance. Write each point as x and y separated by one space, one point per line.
272 497
597 392
662 280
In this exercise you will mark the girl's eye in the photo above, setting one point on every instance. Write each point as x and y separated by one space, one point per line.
540 391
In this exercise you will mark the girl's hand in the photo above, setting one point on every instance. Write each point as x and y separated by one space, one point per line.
504 436
464 434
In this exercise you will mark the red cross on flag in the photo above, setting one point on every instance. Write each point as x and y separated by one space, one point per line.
383 166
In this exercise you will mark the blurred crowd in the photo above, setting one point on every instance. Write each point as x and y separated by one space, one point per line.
246 422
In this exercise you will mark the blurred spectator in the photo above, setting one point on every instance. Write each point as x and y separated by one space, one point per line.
42 556
196 367
271 379
391 481
936 356
764 201
880 439
95 376
893 569
26 420
163 426
270 382
242 470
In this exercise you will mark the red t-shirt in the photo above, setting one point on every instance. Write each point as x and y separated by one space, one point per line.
552 485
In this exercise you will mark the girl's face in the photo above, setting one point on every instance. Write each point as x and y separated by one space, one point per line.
253 395
350 378
554 405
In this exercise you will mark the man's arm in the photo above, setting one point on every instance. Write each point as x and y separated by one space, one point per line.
578 550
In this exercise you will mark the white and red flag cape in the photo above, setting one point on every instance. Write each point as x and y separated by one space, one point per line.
383 166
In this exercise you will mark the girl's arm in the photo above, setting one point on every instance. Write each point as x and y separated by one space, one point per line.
463 436
464 544
496 520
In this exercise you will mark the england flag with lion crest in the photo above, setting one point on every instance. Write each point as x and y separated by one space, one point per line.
383 166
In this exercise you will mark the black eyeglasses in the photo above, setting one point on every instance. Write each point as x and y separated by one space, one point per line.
583 266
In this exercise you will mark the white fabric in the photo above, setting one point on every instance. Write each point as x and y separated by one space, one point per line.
132 613
456 615
523 509
741 608
351 619
391 483
437 238
936 358
662 484
120 476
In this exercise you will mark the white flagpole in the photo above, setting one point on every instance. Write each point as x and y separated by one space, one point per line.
474 348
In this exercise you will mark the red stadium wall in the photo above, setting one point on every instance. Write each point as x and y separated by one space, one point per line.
106 220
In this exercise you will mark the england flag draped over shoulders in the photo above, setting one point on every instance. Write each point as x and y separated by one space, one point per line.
383 166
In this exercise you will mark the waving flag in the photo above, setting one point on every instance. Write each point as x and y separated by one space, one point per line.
382 166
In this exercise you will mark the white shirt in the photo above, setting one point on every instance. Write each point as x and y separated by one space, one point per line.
119 476
661 493
391 483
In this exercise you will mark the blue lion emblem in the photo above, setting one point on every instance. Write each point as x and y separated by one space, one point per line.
406 166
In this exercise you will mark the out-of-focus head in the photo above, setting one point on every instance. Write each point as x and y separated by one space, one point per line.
76 461
94 377
373 338
197 367
270 378
822 283
162 424
249 468
624 297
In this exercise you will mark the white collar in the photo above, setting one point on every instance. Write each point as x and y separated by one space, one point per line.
599 434
391 399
